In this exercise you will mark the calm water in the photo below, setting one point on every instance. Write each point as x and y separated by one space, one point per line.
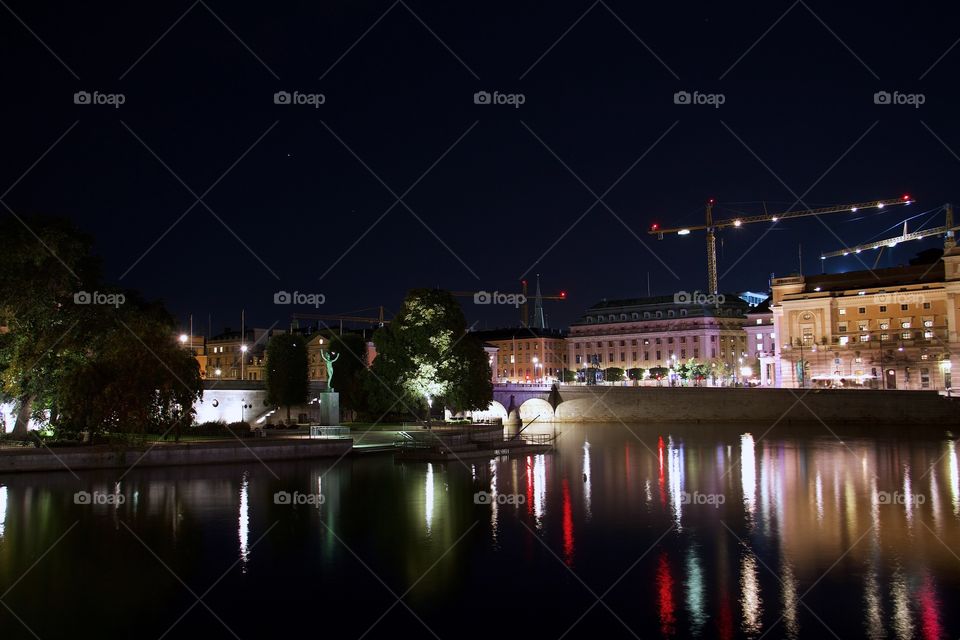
686 531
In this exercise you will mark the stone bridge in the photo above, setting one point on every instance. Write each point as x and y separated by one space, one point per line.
516 403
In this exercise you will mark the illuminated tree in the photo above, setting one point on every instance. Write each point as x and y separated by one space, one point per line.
426 357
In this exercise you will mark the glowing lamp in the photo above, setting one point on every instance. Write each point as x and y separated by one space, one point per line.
183 337
683 232
737 223
853 209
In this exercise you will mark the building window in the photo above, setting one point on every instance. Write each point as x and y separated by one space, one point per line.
884 325
926 305
842 312
670 340
696 353
861 309
905 324
646 315
904 307
713 339
683 354
883 308
683 312
623 357
844 340
884 337
759 337
865 337
713 352
928 334
924 378
905 335
658 355
659 314
928 323
842 327
646 355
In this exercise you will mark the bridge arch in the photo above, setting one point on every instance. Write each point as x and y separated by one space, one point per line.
536 408
495 410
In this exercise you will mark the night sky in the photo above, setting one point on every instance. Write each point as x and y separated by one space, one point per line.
302 198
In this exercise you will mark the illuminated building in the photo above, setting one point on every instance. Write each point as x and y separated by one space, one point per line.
762 344
887 328
525 354
659 331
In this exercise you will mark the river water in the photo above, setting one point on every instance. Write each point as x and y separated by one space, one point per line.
625 531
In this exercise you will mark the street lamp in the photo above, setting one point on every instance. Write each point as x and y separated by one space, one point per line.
536 364
243 360
183 338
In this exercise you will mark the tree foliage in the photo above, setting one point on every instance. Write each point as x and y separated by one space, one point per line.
287 375
425 355
613 374
71 360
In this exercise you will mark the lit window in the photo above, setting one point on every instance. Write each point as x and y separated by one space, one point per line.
842 312
928 323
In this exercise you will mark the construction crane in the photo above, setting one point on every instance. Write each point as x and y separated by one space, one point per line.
379 321
711 225
947 231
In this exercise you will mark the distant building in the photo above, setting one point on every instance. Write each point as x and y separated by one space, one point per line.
658 332
525 354
232 356
762 343
753 298
887 328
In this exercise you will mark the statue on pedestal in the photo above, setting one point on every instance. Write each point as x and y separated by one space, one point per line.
329 362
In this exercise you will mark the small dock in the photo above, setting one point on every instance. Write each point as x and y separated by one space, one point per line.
464 442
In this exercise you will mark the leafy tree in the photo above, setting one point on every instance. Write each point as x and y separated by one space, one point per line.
635 373
287 373
135 378
659 372
73 361
568 376
426 356
38 277
613 374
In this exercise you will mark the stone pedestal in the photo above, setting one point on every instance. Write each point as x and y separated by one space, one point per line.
329 408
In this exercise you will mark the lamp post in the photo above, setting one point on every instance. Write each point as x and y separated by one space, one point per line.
243 360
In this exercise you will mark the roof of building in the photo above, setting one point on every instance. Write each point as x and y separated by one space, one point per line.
877 278
761 309
519 333
695 304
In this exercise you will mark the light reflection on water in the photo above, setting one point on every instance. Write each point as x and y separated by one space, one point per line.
797 513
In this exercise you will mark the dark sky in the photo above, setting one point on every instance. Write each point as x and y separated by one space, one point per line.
299 196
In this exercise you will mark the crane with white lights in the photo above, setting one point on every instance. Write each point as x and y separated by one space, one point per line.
711 225
947 231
